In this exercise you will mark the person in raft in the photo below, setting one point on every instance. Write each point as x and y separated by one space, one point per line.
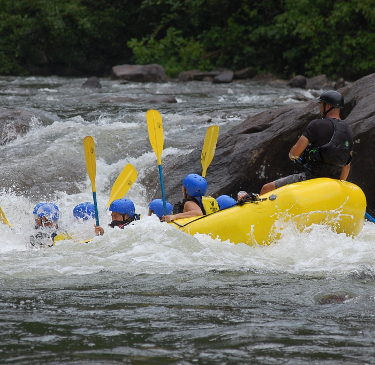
84 211
157 207
46 217
194 187
225 202
123 213
325 146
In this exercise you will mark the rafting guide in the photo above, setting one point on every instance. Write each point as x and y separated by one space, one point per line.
325 147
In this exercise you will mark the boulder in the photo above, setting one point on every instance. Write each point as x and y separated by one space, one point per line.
318 82
142 99
298 81
17 122
92 83
188 75
339 83
139 73
224 77
256 151
245 73
206 76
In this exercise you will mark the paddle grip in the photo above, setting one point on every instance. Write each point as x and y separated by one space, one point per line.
96 208
162 189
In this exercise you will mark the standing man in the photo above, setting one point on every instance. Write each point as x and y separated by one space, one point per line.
325 146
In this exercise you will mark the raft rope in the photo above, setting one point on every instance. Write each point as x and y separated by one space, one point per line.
248 198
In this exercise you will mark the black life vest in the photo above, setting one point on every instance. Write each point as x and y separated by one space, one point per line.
336 152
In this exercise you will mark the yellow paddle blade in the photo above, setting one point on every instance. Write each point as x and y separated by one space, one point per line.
123 183
89 148
209 147
3 218
155 132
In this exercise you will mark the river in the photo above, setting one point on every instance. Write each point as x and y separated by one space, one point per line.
150 294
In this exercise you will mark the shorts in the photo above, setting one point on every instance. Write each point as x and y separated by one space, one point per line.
291 179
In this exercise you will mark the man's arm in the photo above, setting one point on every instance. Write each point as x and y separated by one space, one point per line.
345 172
298 148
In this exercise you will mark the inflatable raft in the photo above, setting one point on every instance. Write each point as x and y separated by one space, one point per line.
338 204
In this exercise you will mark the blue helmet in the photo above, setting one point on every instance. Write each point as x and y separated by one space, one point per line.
157 206
50 211
84 211
123 206
225 201
35 211
195 185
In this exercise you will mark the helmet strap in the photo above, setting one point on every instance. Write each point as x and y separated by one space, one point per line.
326 111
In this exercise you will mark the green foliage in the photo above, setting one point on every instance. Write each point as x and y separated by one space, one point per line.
287 37
174 52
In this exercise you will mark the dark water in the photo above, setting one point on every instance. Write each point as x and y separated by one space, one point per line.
151 294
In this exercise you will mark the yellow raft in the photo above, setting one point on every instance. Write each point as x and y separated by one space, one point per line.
338 204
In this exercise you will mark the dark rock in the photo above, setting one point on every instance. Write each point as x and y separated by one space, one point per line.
223 78
339 83
139 73
265 77
92 83
17 122
206 76
245 73
298 81
319 82
335 299
143 99
256 151
188 75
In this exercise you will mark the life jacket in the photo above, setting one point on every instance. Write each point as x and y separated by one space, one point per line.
336 152
208 204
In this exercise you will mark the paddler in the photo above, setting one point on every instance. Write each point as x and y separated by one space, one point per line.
46 222
157 207
123 213
325 147
194 187
84 211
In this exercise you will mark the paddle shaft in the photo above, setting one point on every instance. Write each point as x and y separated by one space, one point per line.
96 208
162 189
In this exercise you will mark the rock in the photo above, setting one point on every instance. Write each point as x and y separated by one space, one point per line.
298 81
188 75
146 99
92 83
17 122
139 73
265 77
223 78
256 151
245 73
206 76
339 83
319 82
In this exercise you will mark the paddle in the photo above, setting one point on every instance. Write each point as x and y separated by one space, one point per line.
123 183
3 218
89 148
209 147
155 133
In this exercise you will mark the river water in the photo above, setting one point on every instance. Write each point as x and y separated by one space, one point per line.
149 293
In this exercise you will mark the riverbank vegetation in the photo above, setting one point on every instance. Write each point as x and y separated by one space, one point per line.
88 37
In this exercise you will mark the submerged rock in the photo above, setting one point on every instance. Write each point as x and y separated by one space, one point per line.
92 83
